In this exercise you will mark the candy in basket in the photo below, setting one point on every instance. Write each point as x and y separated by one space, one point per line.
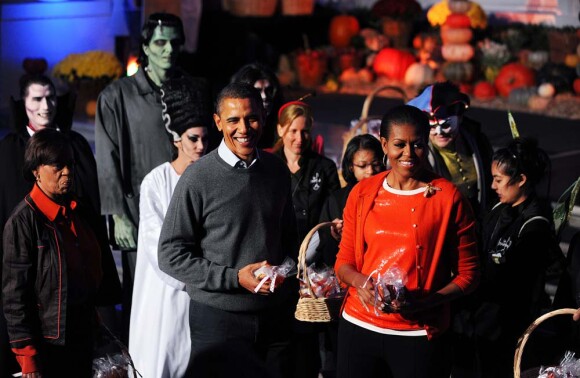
311 307
569 368
322 280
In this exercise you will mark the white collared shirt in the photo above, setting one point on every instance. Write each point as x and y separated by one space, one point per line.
229 157
31 132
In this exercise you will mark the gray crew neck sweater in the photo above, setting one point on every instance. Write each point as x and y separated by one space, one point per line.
221 219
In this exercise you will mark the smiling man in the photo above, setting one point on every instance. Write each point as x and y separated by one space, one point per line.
231 213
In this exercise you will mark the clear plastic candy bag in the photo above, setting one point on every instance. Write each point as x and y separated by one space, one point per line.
390 291
569 368
111 359
275 273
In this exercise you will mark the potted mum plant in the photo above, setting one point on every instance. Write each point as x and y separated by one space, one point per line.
87 74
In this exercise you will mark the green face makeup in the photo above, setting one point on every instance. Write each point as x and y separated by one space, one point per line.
162 50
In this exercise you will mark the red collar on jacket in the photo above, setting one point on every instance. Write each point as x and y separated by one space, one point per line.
47 206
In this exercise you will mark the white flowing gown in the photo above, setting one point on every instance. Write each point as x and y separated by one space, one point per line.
159 340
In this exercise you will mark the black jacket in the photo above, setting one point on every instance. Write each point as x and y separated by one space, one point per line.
519 244
311 185
482 153
332 209
34 282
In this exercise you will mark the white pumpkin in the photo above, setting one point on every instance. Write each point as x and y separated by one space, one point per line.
419 74
546 90
537 59
461 52
459 6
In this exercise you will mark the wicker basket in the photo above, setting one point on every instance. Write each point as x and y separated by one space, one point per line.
297 7
524 339
250 8
313 309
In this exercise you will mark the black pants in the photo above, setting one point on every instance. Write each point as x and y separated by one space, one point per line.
226 344
364 353
129 261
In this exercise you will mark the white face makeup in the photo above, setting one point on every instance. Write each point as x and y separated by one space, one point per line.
266 92
443 131
40 105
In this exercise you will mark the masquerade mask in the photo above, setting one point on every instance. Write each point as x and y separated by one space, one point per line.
447 126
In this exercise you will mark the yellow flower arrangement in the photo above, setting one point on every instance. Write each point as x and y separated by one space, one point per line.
89 65
438 13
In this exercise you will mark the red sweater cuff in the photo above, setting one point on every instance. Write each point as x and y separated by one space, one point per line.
26 357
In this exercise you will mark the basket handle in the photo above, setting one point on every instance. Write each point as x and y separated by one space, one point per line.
524 339
367 104
302 256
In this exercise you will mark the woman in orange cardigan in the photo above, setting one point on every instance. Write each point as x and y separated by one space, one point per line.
412 219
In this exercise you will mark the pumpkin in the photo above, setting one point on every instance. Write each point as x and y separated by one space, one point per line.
577 86
457 52
484 91
34 66
393 63
438 13
571 60
559 75
537 59
459 6
365 75
348 76
538 102
457 72
311 66
341 30
455 35
513 75
91 108
520 96
546 90
465 88
419 74
457 20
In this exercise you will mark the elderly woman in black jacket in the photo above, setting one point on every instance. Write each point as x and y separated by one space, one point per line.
57 266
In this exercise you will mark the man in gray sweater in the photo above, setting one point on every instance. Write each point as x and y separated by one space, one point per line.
230 214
